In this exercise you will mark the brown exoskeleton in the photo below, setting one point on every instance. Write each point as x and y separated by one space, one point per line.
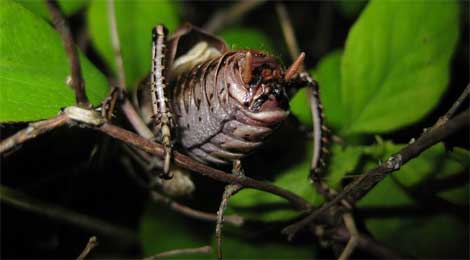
219 104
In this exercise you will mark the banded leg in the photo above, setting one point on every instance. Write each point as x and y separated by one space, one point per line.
320 134
320 131
161 110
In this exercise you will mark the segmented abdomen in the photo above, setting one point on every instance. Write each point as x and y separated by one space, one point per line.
211 126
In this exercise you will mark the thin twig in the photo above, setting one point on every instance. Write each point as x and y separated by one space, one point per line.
92 243
184 251
287 30
235 220
24 202
229 191
76 74
350 224
454 107
366 244
116 45
136 121
362 185
33 130
226 17
126 106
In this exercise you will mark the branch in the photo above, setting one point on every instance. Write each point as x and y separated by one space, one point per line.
24 202
76 74
116 45
287 30
93 120
136 121
185 251
366 244
187 211
200 168
226 17
454 107
126 106
92 243
33 130
363 184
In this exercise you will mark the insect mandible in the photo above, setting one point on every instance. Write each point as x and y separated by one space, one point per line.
218 104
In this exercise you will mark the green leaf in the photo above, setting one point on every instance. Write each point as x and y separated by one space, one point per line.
162 230
327 73
247 38
412 233
300 107
38 7
343 161
395 65
135 20
427 237
34 68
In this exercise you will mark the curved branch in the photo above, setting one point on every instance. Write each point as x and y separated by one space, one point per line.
362 185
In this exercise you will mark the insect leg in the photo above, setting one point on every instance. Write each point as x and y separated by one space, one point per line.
321 134
320 131
159 93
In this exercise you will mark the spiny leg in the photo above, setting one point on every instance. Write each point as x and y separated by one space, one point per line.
161 109
229 191
321 134
320 130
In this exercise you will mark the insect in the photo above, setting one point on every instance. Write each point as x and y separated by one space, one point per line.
219 104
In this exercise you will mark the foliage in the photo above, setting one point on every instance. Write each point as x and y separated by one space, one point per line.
390 74
34 68
135 19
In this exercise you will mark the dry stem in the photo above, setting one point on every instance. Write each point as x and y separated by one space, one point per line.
92 243
288 31
190 212
184 251
32 131
225 17
116 44
76 74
